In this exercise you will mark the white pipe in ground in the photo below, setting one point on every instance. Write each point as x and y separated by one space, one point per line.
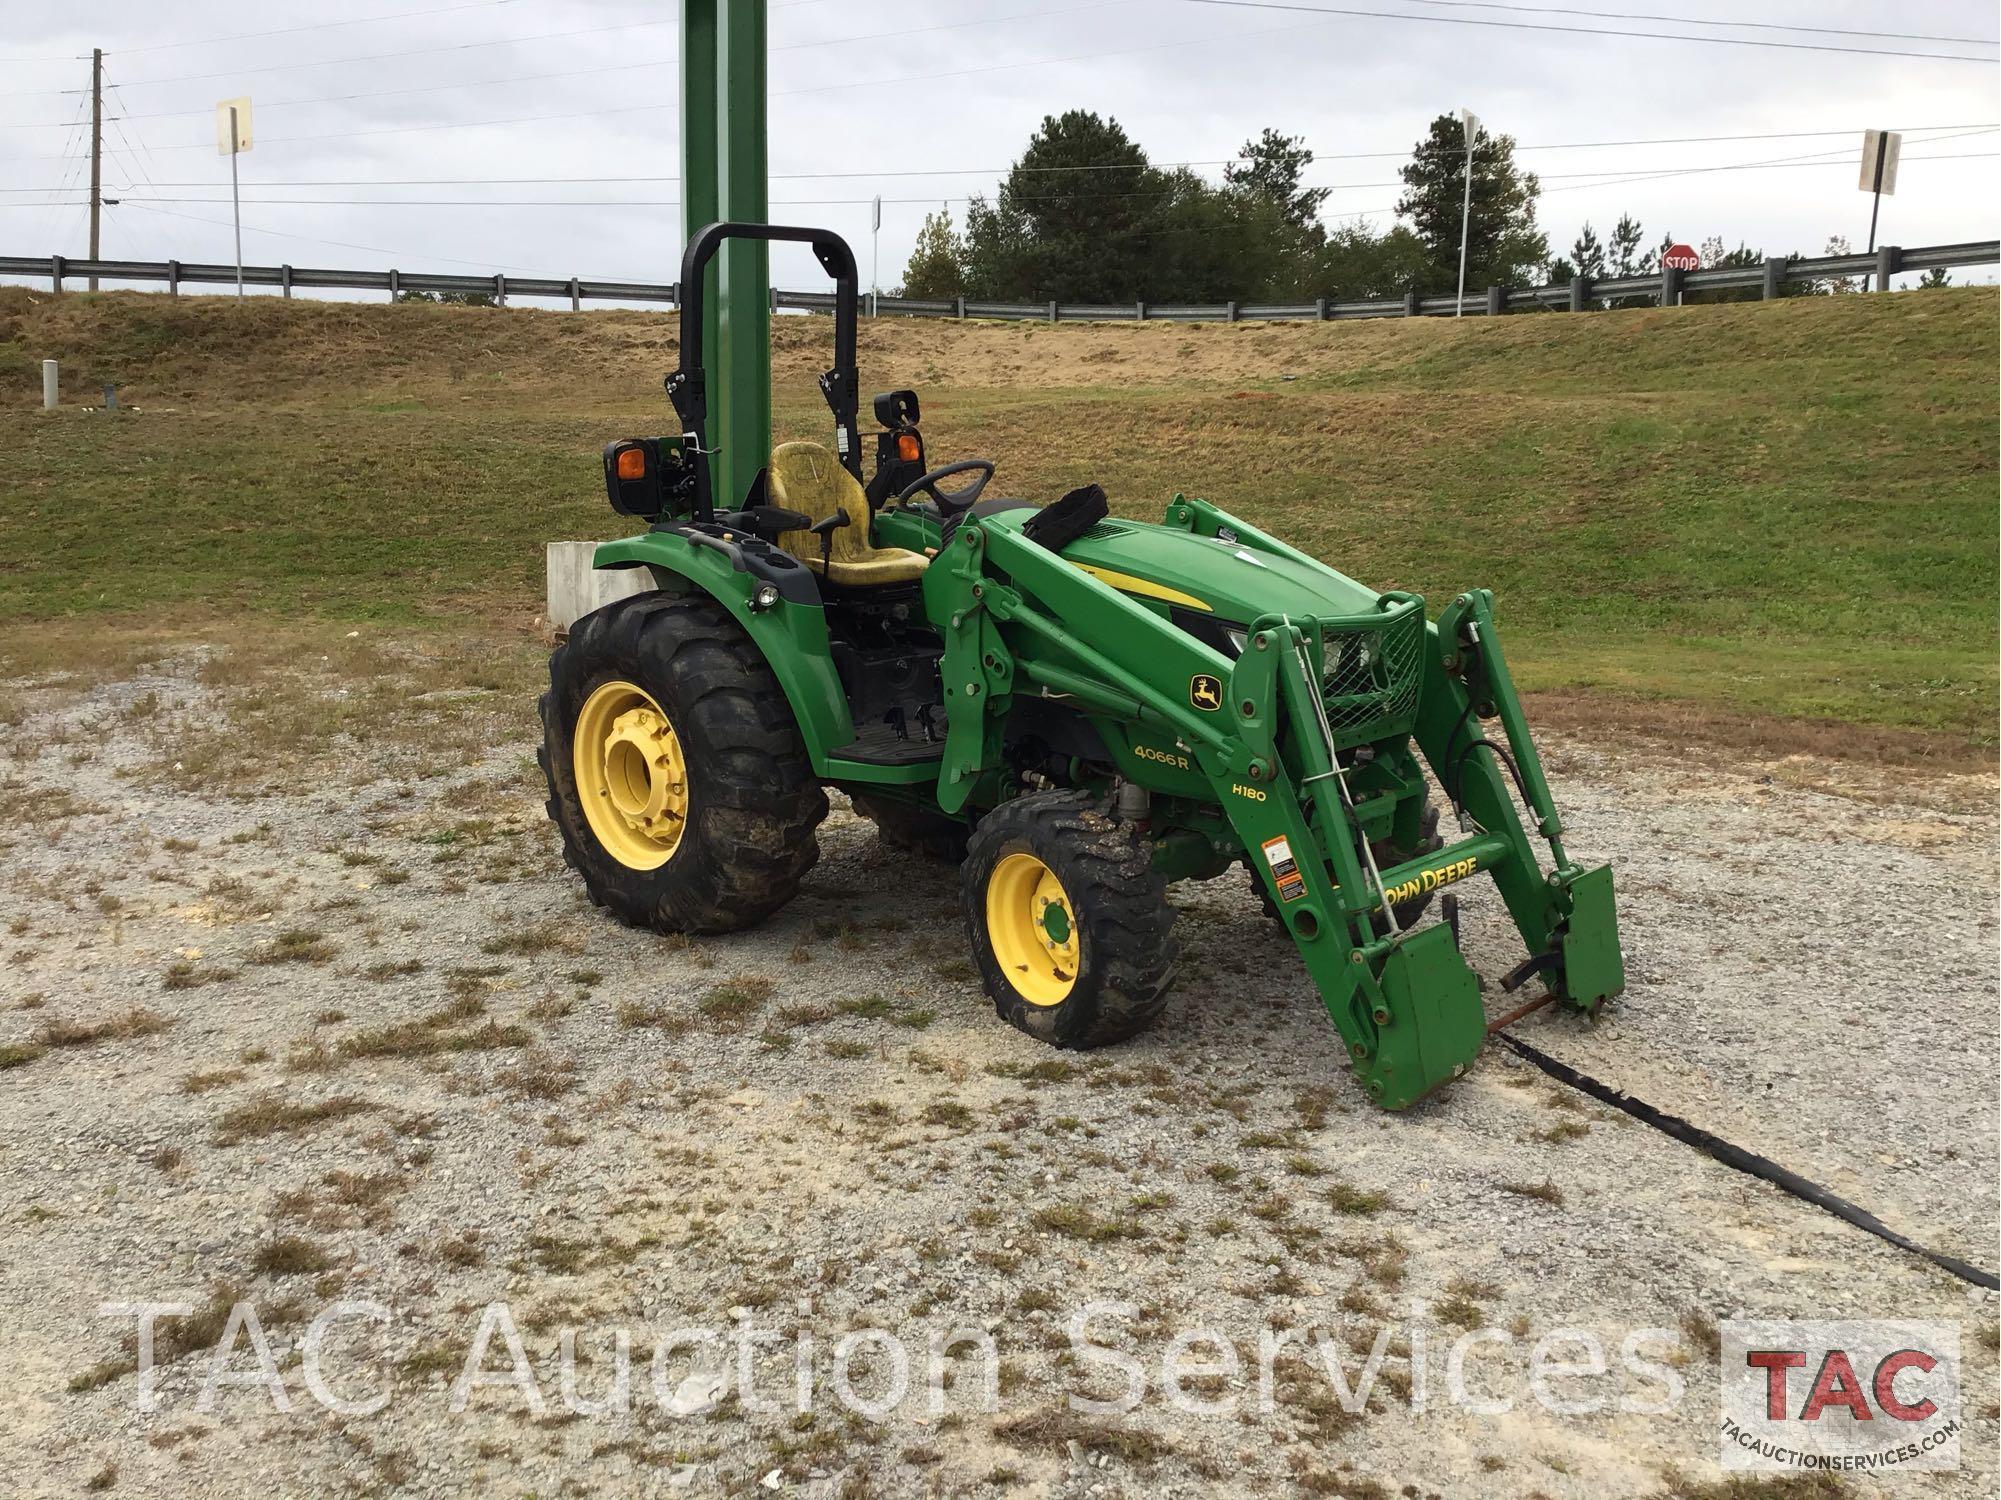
48 385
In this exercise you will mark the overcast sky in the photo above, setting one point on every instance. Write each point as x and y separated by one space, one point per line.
925 103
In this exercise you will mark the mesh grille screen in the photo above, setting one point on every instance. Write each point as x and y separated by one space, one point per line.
1371 680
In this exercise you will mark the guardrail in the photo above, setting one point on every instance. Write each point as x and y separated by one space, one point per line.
1579 295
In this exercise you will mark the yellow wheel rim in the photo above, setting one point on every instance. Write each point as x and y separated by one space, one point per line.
631 775
1032 929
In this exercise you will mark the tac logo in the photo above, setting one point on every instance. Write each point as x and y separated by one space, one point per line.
1205 691
1849 1396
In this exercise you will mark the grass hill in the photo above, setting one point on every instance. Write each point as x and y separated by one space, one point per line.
1771 515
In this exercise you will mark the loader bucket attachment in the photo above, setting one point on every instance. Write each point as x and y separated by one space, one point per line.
1593 967
1438 1023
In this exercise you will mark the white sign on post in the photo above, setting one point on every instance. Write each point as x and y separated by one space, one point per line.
232 139
232 126
1880 150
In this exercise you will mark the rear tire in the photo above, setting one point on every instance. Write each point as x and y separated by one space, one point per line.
916 830
1070 926
702 802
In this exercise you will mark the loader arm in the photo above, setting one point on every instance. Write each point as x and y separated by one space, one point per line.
1406 1005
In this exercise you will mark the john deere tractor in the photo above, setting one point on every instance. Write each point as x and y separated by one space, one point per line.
1082 709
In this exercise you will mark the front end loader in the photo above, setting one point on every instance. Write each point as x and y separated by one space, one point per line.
1082 708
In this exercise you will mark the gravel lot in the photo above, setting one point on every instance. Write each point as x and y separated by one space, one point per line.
292 1017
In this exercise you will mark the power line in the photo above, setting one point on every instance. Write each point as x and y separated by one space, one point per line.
1602 179
1655 36
1619 15
865 83
245 36
1219 161
341 244
659 62
545 36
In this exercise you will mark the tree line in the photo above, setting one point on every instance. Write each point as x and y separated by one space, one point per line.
1085 216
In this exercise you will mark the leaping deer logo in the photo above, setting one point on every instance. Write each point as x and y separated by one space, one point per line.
1205 692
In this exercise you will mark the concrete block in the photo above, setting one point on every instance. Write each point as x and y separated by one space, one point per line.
576 588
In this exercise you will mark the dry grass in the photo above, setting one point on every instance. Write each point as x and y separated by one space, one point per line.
289 1255
136 1022
1543 1192
272 1114
1052 1429
729 1006
295 945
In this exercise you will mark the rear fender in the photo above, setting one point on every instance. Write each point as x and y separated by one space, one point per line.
792 637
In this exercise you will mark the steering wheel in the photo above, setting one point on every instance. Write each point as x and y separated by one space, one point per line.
951 502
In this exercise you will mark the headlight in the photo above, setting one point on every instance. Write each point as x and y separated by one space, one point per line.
1236 639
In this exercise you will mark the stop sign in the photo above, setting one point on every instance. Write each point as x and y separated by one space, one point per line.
1680 258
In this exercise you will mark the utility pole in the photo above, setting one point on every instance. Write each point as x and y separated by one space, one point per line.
96 147
1466 209
875 259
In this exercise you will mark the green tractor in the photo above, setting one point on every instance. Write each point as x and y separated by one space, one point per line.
1081 708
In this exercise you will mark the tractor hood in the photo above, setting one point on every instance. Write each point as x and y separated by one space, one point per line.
1223 579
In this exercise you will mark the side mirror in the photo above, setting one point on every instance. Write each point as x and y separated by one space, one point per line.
894 409
899 447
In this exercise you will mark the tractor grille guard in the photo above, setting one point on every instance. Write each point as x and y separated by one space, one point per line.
1371 666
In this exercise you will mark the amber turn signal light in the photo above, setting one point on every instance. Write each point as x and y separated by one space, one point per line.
632 463
907 447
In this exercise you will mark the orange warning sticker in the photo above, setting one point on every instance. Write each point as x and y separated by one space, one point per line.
1284 869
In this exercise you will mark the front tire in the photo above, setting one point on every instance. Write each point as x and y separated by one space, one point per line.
676 772
1070 926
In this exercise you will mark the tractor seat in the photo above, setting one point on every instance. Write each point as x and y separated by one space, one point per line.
806 477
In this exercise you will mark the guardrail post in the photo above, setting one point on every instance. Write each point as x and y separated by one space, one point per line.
1775 277
1889 261
1670 286
499 290
1320 309
774 301
56 264
1497 301
285 280
1139 310
1052 312
1229 312
1410 304
1580 293
576 296
395 284
959 308
173 278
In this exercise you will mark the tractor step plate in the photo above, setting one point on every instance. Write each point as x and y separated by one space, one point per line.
879 745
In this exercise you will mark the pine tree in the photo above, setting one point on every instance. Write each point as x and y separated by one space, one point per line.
1622 254
937 267
1503 244
1587 254
1271 169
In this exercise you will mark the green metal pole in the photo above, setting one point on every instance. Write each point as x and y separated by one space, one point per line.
699 198
743 345
723 171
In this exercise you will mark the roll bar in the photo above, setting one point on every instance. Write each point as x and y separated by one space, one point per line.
687 387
